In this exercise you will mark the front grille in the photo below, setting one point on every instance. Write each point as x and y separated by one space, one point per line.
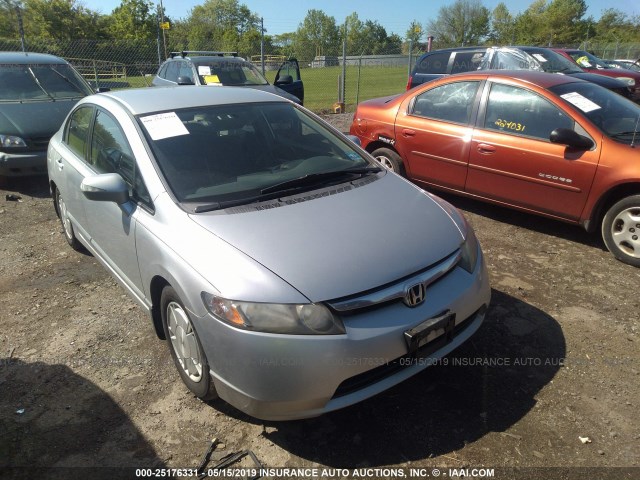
370 377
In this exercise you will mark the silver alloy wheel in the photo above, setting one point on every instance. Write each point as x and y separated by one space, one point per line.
66 223
386 162
184 342
625 231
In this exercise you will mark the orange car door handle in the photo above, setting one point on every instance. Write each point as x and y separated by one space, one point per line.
484 148
408 133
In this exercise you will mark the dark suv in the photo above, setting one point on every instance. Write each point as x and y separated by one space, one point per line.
227 69
448 61
37 91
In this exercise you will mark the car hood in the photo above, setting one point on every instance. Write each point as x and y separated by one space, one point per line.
606 82
329 245
34 119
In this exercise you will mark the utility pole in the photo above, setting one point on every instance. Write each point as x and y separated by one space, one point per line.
262 43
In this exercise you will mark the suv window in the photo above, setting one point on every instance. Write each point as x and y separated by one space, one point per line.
466 61
434 63
518 111
452 102
172 71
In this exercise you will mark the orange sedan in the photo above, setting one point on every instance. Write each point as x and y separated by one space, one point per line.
547 144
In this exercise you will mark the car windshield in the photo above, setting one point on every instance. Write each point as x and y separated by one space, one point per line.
40 82
616 116
230 72
586 60
236 153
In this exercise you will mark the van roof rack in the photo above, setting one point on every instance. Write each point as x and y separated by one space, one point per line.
185 53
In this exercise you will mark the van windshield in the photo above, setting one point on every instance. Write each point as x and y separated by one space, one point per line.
41 82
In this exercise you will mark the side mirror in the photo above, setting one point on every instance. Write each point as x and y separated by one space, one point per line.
285 79
108 187
571 138
185 80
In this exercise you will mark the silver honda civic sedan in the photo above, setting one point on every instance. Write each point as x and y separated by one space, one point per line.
290 274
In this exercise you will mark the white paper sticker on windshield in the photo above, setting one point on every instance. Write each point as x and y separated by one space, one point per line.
204 70
581 102
539 57
164 125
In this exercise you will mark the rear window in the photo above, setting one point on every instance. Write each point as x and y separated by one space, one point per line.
435 62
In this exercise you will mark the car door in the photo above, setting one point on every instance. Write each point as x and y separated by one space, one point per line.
288 79
432 133
73 167
112 226
513 161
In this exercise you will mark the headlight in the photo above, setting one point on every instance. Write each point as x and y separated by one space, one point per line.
469 251
304 319
9 141
629 81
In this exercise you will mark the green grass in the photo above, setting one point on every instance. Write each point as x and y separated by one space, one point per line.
320 85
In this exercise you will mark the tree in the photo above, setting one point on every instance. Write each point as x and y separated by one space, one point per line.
133 19
465 22
223 25
413 36
616 26
60 20
317 35
502 26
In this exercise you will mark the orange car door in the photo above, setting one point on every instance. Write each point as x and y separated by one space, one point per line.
512 160
432 134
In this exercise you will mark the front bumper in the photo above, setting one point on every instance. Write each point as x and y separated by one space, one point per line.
286 377
20 164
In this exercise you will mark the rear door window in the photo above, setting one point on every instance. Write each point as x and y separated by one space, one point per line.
452 102
434 63
466 61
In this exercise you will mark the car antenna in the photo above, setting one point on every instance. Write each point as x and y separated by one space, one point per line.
635 131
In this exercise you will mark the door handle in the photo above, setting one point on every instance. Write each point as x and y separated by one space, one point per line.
407 132
60 163
485 148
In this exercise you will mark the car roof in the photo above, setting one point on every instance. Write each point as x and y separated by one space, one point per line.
25 58
541 79
455 49
147 100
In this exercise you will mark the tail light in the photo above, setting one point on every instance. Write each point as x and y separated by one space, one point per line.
409 82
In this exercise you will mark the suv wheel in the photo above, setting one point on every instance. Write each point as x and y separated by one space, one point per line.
389 159
621 230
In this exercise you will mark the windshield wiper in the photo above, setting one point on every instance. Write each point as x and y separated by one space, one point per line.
39 84
276 191
66 79
313 178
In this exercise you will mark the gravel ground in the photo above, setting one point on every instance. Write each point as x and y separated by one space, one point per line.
84 382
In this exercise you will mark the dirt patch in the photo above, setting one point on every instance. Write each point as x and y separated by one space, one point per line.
84 382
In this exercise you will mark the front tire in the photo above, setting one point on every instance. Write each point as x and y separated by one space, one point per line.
621 230
389 159
186 350
67 227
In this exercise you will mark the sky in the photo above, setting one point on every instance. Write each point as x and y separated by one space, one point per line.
285 15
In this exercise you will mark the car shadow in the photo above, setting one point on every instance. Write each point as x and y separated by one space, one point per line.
36 186
486 385
547 226
56 424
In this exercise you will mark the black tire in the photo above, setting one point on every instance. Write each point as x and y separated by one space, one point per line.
389 159
621 230
67 227
181 336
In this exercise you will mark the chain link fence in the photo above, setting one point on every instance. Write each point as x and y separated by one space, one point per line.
130 64
333 84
